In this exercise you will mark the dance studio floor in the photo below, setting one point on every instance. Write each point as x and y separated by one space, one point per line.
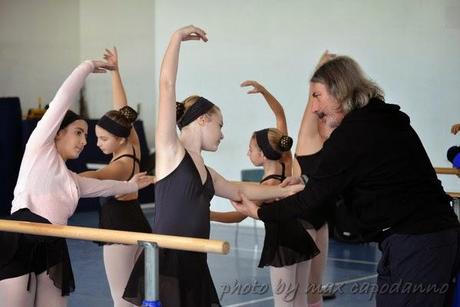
351 269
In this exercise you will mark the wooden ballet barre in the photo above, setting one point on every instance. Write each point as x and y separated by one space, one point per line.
116 236
447 171
454 194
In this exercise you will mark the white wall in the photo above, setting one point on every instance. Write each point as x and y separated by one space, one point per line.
42 41
39 47
411 48
128 25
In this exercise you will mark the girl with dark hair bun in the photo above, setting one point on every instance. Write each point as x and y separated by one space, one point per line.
185 186
116 136
36 270
288 247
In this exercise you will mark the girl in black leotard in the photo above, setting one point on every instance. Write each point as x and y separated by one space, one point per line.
287 246
185 186
116 136
314 130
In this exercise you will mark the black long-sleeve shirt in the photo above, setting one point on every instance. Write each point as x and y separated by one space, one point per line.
377 163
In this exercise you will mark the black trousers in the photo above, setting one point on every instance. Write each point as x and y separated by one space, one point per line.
418 270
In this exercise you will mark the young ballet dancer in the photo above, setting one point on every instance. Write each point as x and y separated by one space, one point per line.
116 136
185 186
36 270
287 246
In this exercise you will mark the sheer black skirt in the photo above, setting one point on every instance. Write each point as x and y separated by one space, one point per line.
185 280
125 215
287 243
26 254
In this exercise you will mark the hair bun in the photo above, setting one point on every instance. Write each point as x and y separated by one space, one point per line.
180 110
285 143
129 113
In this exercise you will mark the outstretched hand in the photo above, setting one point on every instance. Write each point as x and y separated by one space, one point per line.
191 33
111 56
256 87
295 188
142 180
102 66
292 180
325 57
246 207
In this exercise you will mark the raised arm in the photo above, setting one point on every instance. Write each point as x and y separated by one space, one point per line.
280 116
167 145
312 131
118 91
272 102
48 126
309 140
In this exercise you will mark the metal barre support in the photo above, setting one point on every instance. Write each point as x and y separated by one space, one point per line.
151 273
